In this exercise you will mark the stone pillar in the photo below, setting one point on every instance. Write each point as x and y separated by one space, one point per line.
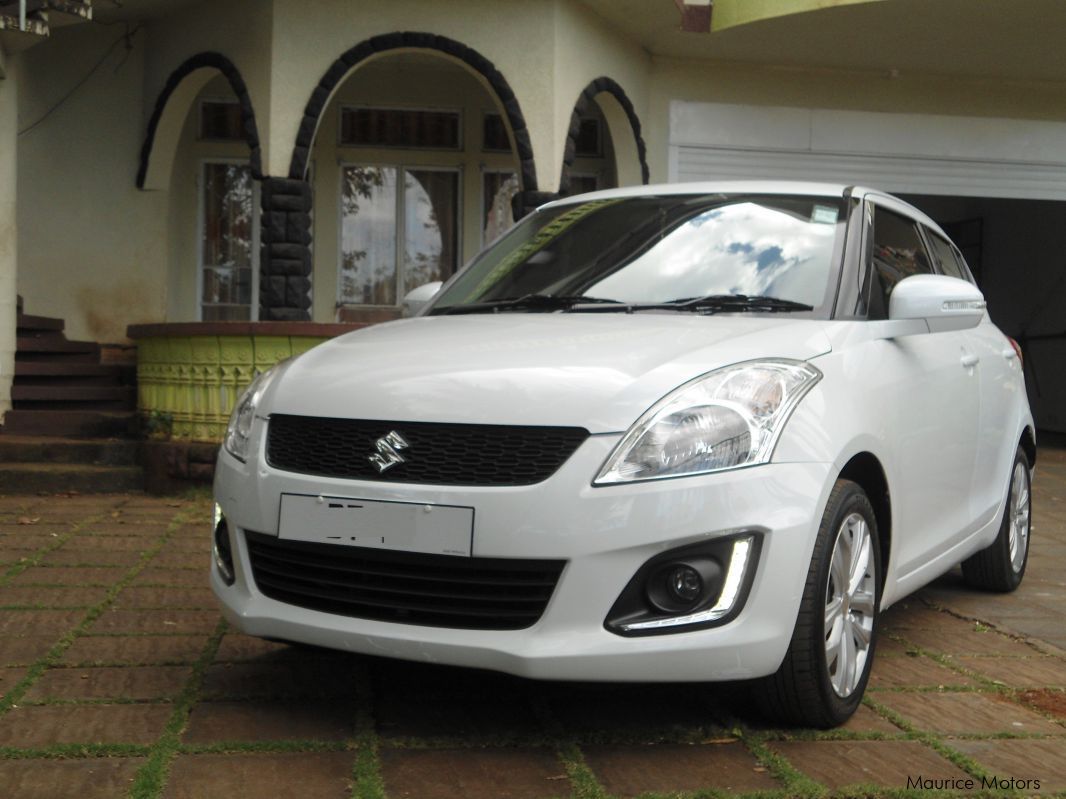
285 257
8 239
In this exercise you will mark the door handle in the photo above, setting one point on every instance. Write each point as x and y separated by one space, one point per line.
969 360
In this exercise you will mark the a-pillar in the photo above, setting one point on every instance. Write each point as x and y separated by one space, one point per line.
285 257
8 240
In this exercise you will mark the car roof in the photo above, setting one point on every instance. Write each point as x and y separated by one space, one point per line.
798 187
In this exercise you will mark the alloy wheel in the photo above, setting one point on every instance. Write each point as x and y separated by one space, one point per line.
1018 526
849 606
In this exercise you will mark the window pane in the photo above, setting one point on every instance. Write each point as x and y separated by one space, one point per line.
368 235
588 139
494 134
220 119
582 184
430 226
944 254
497 190
394 127
226 254
898 252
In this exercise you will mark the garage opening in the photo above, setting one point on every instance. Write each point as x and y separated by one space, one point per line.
1017 251
996 186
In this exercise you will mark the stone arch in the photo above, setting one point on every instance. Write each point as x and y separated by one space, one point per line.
619 111
384 43
172 107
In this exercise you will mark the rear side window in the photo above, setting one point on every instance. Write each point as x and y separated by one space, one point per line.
898 252
947 260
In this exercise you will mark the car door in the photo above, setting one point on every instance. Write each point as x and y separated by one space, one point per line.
999 375
933 404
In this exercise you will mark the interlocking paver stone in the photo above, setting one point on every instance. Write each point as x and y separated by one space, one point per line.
168 621
39 622
166 597
666 768
24 650
968 642
473 773
90 557
290 679
70 575
963 713
98 778
236 646
1033 760
44 725
301 775
135 682
159 575
51 596
890 763
1019 672
894 672
211 722
135 650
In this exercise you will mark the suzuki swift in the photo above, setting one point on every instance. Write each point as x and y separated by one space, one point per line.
680 433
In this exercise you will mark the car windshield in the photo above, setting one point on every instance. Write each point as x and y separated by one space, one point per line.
698 253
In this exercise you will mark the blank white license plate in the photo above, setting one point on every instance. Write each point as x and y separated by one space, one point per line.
408 526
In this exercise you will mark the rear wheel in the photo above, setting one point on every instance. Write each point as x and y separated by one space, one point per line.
1001 566
822 679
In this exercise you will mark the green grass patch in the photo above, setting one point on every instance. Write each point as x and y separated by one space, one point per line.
152 775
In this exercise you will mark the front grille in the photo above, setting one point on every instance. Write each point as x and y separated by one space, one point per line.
438 454
404 587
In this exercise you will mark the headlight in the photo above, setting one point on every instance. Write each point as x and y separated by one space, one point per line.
724 419
239 430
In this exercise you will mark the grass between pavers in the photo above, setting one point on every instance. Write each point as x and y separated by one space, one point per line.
52 657
151 777
367 779
583 781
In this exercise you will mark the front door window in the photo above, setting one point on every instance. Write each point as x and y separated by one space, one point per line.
228 244
394 240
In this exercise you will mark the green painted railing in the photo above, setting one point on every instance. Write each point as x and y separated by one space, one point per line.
189 375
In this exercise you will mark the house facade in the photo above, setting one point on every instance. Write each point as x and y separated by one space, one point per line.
224 183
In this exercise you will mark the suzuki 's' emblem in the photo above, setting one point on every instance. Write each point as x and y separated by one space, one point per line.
388 451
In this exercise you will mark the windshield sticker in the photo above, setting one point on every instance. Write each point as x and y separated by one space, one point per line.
824 215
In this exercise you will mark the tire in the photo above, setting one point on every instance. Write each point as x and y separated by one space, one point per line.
820 683
1001 565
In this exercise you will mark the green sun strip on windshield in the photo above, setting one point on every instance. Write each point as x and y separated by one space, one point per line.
542 239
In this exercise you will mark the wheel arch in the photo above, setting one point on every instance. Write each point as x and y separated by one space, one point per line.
865 469
1028 445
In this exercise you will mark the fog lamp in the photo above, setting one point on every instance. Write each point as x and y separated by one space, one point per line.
221 550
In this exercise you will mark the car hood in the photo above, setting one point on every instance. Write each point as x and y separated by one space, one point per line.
599 371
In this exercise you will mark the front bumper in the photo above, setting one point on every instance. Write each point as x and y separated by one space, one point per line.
604 534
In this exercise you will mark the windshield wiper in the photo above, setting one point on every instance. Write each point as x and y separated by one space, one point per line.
734 302
528 302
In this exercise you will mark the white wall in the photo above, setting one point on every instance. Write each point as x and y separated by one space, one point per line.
8 230
90 243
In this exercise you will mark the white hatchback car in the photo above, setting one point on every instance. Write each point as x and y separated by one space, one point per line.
675 433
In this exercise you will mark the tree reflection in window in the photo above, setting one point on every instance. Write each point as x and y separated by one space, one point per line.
372 271
226 255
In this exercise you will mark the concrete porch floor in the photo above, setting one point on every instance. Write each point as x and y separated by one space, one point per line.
120 679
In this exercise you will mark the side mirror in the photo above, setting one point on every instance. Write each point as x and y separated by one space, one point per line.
943 303
416 298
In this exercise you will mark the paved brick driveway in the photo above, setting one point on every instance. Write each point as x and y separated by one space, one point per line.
119 679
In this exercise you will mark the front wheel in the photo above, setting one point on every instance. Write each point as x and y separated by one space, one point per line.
822 679
1001 565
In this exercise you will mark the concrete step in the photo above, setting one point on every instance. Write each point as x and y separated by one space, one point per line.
38 371
71 423
92 452
38 324
52 478
73 397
